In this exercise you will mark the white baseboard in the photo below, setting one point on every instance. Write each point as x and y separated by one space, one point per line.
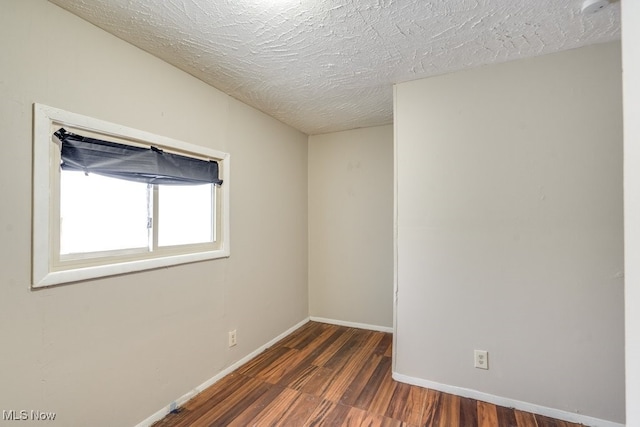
191 394
506 402
352 324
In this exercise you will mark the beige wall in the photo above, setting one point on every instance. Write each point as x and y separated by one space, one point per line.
510 234
350 226
631 82
114 351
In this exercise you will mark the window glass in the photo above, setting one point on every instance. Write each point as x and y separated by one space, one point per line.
102 214
185 214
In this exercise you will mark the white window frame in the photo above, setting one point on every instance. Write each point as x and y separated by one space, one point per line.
47 268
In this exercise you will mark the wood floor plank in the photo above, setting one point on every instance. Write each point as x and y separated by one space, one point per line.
487 415
264 359
383 395
360 381
280 367
300 334
296 376
219 391
197 407
318 381
414 406
506 417
255 407
448 413
301 410
430 408
344 353
368 393
525 419
327 413
468 412
350 369
313 336
328 375
315 344
545 422
400 403
357 417
389 351
276 410
551 422
320 414
345 335
384 345
237 406
217 412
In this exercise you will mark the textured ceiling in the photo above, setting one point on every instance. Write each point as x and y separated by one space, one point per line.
328 65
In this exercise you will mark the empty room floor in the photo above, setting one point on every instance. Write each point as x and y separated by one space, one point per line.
327 375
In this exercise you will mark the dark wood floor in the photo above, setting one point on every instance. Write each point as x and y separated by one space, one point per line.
326 375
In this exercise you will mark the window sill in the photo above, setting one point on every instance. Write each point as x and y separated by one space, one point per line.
54 278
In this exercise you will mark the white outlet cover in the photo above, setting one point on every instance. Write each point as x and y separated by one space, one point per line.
481 359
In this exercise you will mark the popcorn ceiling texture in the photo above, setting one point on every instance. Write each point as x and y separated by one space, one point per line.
323 66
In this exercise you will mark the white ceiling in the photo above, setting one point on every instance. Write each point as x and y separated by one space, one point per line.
329 65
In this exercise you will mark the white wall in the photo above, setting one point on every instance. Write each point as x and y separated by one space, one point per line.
114 351
631 96
350 226
510 237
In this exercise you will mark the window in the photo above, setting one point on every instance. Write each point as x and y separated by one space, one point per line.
100 214
111 200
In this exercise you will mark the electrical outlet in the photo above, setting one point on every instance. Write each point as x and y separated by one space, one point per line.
481 359
232 338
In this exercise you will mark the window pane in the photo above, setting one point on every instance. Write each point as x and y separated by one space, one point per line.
185 214
102 214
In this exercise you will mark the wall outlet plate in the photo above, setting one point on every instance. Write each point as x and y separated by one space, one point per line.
481 359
